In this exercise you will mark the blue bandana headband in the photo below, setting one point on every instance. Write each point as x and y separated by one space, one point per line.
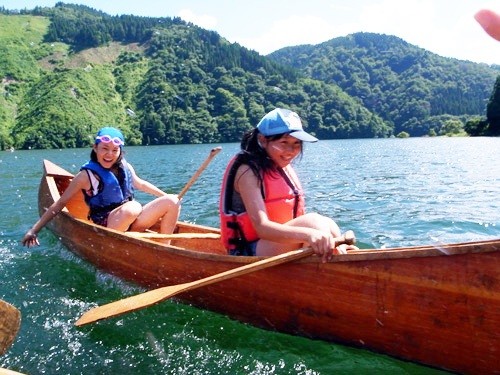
109 134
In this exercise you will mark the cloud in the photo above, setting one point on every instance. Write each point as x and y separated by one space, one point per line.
411 19
433 25
205 21
290 31
443 27
385 17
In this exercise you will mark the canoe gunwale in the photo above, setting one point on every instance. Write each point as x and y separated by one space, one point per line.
353 256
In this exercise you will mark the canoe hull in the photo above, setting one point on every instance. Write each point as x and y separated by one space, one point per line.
438 306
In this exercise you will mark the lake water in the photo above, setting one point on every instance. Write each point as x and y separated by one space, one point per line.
391 192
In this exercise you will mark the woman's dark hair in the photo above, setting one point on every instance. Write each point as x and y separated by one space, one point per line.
253 155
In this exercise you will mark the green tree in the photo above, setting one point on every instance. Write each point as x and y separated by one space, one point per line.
452 127
476 126
230 116
493 109
403 135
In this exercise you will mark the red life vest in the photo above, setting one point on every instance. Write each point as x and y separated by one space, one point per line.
283 197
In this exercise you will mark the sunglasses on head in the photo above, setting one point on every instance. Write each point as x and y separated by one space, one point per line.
107 139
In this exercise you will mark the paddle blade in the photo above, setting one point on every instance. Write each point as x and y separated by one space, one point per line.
10 321
129 304
152 297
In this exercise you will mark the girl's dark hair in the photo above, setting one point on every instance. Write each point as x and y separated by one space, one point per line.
253 155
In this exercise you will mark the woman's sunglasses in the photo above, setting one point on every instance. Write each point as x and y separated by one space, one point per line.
107 139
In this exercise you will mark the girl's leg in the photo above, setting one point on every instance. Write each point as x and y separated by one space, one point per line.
166 207
311 220
169 220
122 217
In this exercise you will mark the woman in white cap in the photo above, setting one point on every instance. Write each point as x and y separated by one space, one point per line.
262 207
108 182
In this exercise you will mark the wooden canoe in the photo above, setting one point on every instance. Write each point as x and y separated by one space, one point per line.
435 305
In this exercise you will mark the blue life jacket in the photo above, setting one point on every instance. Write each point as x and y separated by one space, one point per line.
112 191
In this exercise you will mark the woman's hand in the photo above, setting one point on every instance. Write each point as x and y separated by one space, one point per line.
30 239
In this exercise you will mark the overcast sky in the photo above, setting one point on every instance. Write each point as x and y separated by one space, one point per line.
445 27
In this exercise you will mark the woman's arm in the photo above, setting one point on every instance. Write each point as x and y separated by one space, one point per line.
144 185
80 182
247 184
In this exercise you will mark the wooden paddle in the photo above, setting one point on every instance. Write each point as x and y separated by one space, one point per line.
4 371
213 152
10 321
157 295
186 187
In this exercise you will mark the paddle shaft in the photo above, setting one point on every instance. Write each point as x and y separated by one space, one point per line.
157 295
212 154
10 321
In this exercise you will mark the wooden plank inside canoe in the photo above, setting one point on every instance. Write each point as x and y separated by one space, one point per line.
173 236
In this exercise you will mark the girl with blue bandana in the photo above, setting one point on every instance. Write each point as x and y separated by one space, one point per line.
108 183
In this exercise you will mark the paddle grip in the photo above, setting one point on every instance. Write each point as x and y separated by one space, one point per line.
348 238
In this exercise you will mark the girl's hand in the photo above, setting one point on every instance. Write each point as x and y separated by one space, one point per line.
323 245
30 239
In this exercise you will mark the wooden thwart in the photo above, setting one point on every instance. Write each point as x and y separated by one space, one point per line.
174 236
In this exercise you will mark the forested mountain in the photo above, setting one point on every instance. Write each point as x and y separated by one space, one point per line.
407 86
68 70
